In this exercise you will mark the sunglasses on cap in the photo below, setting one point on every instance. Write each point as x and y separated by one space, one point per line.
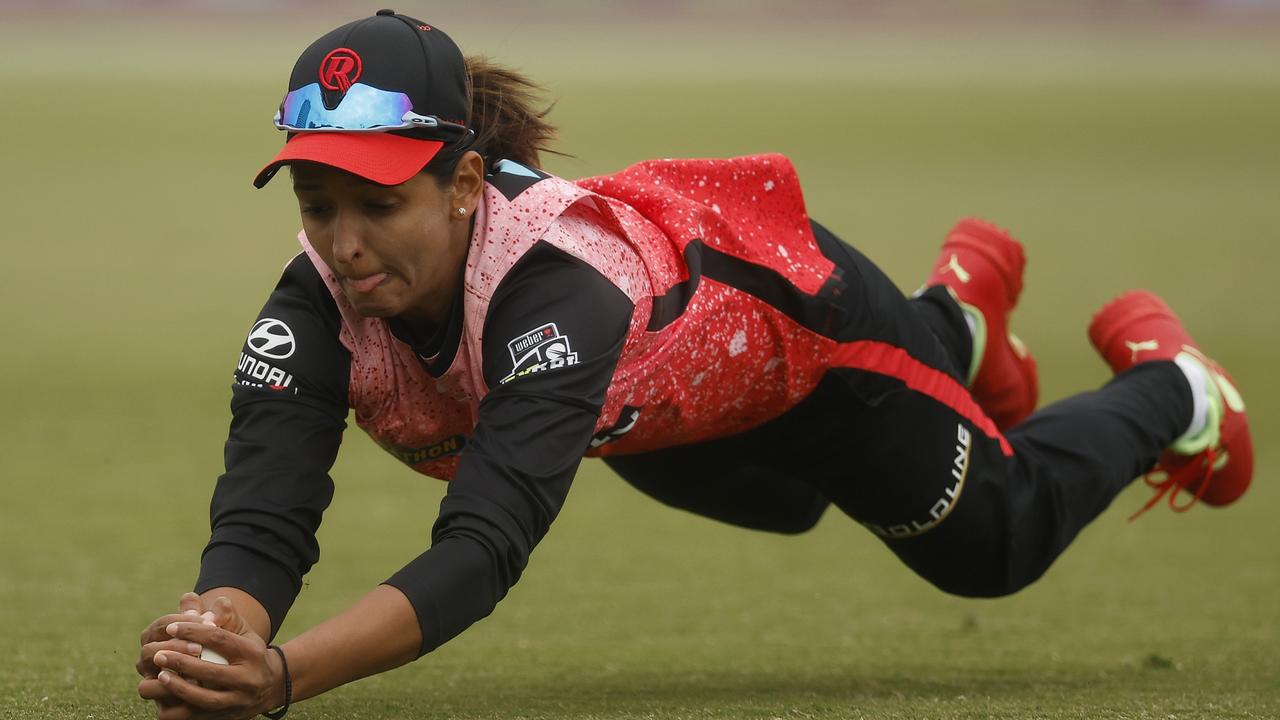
363 109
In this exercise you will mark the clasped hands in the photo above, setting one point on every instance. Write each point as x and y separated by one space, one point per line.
184 687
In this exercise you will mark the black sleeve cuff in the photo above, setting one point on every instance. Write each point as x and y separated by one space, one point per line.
273 585
449 586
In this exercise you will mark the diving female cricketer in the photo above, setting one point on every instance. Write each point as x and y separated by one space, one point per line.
685 320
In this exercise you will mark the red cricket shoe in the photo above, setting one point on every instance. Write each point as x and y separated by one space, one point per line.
1215 466
982 266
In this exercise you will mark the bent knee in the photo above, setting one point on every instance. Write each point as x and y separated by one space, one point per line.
782 520
799 523
973 570
972 586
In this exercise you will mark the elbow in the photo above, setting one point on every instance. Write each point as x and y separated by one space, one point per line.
501 557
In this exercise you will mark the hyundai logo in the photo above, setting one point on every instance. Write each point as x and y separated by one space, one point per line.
271 338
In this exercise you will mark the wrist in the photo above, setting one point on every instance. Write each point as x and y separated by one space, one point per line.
279 694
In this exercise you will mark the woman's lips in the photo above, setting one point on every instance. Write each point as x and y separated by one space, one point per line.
366 285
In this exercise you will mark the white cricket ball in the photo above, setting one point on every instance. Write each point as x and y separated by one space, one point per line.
207 654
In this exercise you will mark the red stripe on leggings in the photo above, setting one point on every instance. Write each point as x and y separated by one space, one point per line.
885 359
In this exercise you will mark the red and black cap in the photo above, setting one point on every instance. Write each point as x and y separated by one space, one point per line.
378 97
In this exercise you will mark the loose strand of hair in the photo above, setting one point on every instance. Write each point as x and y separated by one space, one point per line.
505 115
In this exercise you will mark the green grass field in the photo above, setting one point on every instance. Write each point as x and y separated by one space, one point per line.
137 255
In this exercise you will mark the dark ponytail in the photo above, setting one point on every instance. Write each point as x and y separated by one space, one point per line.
504 114
506 119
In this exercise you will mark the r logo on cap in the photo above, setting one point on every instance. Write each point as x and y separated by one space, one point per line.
340 69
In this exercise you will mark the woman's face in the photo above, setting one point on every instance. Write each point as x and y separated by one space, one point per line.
396 250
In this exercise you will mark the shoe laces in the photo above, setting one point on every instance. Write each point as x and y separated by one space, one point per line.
1168 484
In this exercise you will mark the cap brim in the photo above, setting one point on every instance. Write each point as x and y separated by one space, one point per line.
379 157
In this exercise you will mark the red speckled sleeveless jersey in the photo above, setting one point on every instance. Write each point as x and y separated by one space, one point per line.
703 358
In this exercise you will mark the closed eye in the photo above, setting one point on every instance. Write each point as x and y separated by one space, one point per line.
381 206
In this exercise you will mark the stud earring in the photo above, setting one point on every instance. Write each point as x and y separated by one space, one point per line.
462 211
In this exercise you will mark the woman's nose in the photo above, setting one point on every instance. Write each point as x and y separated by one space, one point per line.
346 238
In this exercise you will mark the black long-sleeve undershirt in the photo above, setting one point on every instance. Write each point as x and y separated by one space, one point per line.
513 475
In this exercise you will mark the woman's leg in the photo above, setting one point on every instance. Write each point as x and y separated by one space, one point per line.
972 511
939 312
893 439
737 480
974 521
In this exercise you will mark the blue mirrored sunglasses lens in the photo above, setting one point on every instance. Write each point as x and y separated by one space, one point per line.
362 108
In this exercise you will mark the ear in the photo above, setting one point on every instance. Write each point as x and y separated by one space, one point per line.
468 185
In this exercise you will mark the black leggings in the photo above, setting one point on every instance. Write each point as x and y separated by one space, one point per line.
942 495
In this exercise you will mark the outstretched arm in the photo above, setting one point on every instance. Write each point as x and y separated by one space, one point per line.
378 633
289 404
511 482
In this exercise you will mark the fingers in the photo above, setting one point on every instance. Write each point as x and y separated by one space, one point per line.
156 639
156 630
180 711
153 689
168 707
156 635
194 670
225 615
146 664
228 644
212 690
190 604
167 704
182 688
233 648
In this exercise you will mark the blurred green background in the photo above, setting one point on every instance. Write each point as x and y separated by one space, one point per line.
1128 145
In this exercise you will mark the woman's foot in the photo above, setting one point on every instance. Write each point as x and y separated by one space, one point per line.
1213 461
981 265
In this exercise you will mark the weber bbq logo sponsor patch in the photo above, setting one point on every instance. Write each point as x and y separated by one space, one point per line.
271 339
539 350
